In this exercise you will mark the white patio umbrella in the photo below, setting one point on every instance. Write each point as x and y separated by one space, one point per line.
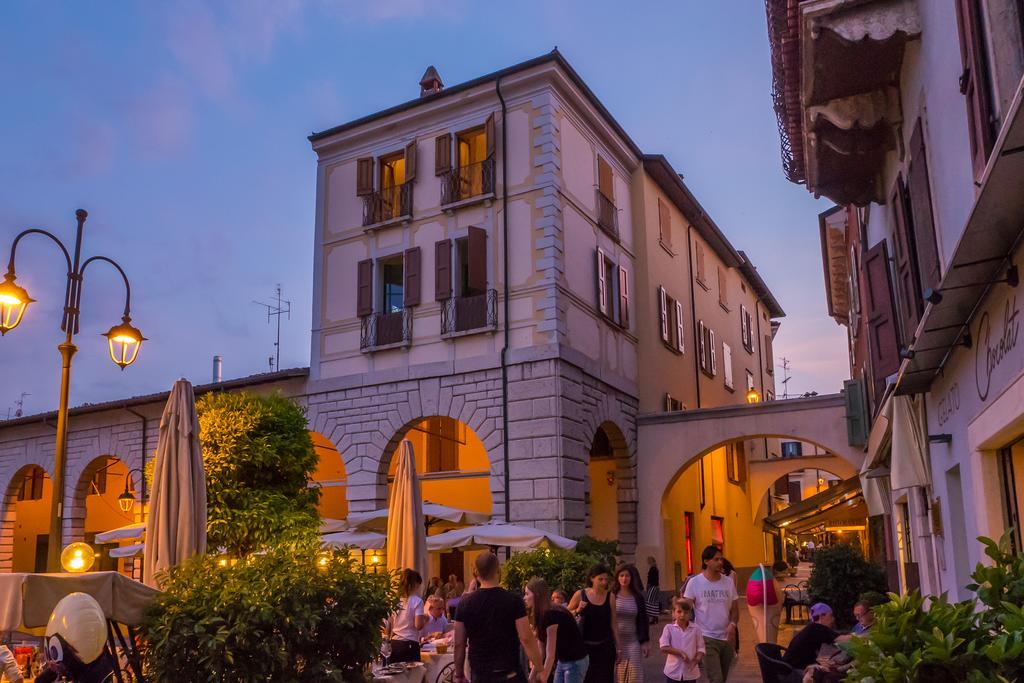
364 540
176 527
407 537
433 513
498 534
128 532
329 525
128 550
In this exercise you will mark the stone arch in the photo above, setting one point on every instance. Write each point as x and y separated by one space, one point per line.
94 507
330 475
782 467
10 544
609 447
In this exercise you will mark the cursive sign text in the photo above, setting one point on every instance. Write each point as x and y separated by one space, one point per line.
992 350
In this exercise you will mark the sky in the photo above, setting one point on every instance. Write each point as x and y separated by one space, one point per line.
181 128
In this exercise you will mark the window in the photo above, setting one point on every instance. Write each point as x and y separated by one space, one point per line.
746 329
605 183
735 462
701 277
769 360
975 82
718 533
750 380
672 404
708 360
392 283
472 173
32 485
1011 468
688 541
727 363
607 214
444 436
99 478
664 225
612 289
663 313
387 195
723 289
680 332
792 449
392 171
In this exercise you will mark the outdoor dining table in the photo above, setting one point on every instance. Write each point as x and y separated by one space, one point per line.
435 669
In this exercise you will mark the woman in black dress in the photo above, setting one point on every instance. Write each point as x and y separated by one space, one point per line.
594 608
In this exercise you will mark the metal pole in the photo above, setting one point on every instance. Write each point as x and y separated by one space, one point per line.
67 350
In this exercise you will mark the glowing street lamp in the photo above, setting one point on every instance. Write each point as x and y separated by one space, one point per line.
753 396
124 342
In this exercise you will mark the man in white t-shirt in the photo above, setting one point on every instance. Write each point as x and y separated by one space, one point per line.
716 611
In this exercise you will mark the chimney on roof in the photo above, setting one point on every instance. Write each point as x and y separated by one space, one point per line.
431 82
217 366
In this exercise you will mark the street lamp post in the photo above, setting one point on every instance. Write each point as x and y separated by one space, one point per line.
123 341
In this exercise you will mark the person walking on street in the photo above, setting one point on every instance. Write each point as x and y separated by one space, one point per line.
492 622
653 590
632 625
683 645
594 607
716 610
406 623
560 638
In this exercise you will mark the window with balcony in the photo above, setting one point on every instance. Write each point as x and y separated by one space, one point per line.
392 285
469 173
607 213
460 284
385 294
387 194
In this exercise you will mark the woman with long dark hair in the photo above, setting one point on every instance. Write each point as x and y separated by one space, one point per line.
633 627
407 622
594 608
560 639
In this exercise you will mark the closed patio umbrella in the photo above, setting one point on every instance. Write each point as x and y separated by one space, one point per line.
498 534
407 537
176 526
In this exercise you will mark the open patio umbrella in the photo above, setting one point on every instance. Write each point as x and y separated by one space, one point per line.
176 527
407 536
128 532
433 513
498 534
364 540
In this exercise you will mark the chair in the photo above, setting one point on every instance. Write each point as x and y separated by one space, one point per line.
773 669
794 596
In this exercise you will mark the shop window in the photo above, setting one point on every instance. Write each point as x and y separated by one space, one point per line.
688 541
1011 468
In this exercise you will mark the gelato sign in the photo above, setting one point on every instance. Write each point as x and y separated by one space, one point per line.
996 339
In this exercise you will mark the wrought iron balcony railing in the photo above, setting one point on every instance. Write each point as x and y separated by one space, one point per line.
386 330
469 313
607 215
469 181
388 203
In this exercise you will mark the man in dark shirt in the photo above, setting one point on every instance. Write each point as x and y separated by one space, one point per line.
803 649
493 623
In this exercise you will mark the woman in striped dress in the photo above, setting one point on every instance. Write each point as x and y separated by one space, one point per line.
632 625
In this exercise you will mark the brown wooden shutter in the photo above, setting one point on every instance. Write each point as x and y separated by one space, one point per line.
883 339
443 154
443 270
410 161
723 291
477 259
975 84
604 179
910 302
664 223
700 262
413 278
364 288
921 207
769 362
489 135
623 297
364 176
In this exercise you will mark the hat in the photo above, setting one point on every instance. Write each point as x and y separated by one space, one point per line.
820 609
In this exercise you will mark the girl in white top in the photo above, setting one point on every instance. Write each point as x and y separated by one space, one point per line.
9 670
409 620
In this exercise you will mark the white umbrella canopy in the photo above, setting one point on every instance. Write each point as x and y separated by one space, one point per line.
364 540
433 513
406 534
498 534
176 526
128 532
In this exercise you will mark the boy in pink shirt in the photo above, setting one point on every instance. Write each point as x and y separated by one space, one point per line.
683 643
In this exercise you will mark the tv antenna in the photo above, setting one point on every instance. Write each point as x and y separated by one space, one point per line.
785 375
276 309
20 406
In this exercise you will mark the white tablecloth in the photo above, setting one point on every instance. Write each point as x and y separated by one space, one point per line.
433 665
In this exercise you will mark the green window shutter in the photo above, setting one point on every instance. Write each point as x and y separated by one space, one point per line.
856 413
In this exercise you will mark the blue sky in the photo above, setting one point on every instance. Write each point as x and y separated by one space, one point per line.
181 127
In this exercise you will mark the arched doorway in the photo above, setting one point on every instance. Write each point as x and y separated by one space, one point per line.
96 509
26 521
331 478
609 481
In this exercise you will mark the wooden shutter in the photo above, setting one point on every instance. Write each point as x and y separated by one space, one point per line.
883 339
364 176
921 207
680 328
769 358
410 161
443 154
910 303
700 262
702 341
623 297
723 292
727 362
489 135
713 355
604 179
413 278
858 423
364 288
477 259
975 84
664 223
602 283
744 326
442 270
663 312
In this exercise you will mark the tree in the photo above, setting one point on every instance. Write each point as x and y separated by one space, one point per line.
258 458
840 575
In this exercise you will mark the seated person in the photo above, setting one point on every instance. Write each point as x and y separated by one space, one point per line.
437 622
865 617
803 649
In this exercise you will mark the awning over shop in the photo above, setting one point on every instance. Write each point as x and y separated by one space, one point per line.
908 463
993 232
831 504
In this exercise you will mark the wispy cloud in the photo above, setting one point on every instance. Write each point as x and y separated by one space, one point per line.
163 118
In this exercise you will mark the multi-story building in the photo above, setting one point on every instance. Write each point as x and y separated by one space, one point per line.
918 143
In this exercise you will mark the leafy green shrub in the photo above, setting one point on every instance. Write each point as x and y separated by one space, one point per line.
561 569
274 616
605 552
839 576
258 458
